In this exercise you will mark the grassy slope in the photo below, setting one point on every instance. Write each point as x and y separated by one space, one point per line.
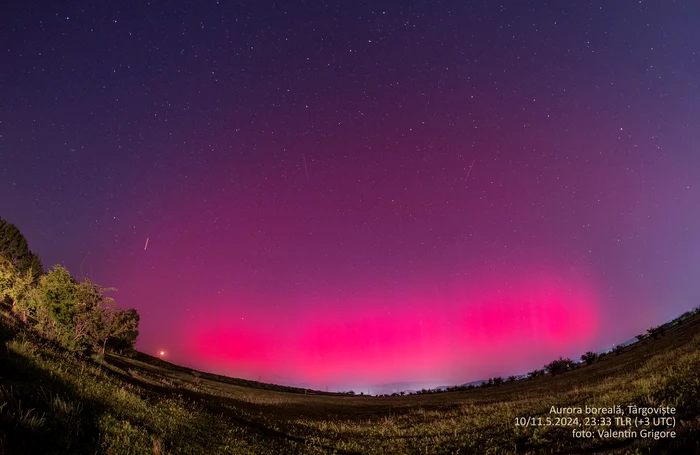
162 364
51 402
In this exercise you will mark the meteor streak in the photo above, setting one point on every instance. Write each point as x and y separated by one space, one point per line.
305 169
469 171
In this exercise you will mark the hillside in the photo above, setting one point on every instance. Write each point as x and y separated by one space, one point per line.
54 402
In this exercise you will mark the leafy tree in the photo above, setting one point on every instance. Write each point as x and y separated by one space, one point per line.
72 309
511 378
77 314
90 305
589 357
14 247
117 328
497 381
14 285
55 306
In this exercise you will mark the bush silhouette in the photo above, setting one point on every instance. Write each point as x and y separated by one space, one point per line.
559 366
656 332
589 357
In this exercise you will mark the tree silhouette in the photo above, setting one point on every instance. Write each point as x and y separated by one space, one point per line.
559 366
116 325
14 247
656 332
14 285
589 357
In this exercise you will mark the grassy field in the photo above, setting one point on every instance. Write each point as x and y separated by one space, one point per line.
53 402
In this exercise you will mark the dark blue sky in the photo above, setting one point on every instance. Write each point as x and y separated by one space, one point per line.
352 193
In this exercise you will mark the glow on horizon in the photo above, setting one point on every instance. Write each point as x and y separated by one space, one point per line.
498 328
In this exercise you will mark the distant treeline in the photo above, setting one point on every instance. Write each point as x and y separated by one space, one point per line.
560 365
75 314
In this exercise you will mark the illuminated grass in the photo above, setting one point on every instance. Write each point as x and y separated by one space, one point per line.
119 405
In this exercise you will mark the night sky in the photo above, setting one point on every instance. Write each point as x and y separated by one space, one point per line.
348 194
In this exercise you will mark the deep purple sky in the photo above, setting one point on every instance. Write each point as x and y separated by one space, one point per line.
351 194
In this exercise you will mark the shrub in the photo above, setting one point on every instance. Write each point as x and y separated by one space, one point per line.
559 366
589 357
656 332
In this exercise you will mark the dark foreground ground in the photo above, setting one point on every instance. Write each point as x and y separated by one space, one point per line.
52 402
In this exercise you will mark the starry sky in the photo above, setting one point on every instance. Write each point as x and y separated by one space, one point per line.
350 194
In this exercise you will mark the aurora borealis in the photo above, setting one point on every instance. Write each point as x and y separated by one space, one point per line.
344 194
